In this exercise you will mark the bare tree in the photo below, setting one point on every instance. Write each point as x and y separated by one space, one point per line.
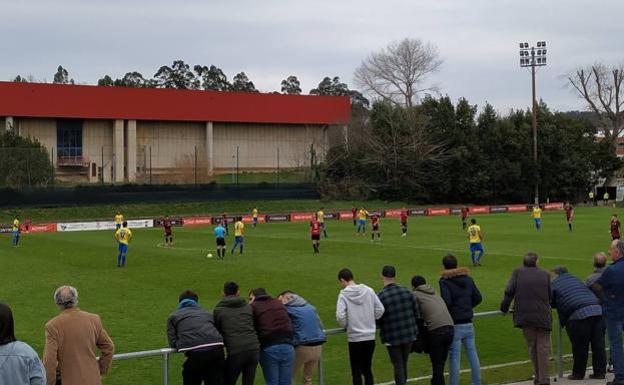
602 89
398 72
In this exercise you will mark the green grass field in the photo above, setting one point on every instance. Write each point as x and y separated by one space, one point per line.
134 302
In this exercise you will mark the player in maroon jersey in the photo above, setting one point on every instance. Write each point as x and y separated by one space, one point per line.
375 226
569 211
615 227
315 234
168 234
464 216
403 222
354 211
224 223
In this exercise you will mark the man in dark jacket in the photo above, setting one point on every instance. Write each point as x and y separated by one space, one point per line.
191 330
439 324
529 289
234 319
581 314
275 333
461 296
309 336
610 288
398 324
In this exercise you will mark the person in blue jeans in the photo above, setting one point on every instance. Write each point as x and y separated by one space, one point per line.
610 289
275 332
461 296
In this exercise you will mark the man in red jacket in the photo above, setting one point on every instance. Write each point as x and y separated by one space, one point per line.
275 333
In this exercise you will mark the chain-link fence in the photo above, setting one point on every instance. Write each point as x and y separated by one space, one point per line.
37 167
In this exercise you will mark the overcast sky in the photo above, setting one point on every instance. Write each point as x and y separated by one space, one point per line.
271 39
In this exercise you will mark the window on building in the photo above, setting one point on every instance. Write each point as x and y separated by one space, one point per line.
69 139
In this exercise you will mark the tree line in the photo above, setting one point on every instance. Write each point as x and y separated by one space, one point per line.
440 151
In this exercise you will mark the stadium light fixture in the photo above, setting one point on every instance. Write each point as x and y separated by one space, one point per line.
532 57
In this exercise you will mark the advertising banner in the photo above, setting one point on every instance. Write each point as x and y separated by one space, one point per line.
498 209
393 213
331 215
249 219
516 208
86 226
43 228
438 211
419 212
479 209
176 221
301 217
553 206
345 215
455 211
197 221
138 223
6 229
278 218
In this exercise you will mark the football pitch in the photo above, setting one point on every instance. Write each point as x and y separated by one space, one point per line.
134 302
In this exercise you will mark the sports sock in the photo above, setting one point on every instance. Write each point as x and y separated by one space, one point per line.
570 226
373 236
241 248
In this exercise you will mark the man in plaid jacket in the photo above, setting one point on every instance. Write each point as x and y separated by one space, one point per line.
398 324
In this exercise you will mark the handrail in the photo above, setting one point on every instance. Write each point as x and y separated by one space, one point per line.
166 352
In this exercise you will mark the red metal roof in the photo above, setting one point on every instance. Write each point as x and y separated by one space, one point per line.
91 102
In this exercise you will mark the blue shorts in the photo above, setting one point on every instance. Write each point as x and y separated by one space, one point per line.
123 248
238 239
538 221
476 247
362 221
322 225
117 226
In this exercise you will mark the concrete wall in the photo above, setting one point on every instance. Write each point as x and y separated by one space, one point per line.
97 135
173 144
43 130
258 144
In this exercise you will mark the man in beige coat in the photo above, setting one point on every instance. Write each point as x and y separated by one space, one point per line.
71 338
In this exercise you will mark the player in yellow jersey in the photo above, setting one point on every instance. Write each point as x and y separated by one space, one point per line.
254 216
362 215
123 235
536 214
239 234
119 218
16 231
475 238
320 217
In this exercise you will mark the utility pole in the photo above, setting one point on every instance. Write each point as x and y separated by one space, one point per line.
530 57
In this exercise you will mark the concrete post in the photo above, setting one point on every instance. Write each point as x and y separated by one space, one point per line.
345 135
118 151
131 151
9 123
209 149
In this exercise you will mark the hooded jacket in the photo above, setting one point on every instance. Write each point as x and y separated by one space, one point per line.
433 310
234 319
357 310
307 327
460 294
272 322
191 328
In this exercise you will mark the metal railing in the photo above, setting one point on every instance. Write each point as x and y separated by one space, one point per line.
166 352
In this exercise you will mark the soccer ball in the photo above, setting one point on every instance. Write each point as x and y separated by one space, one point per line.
209 255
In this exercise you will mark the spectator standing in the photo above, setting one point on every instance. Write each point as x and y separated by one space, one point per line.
581 314
308 337
398 324
19 363
610 288
461 296
191 329
275 333
357 309
529 289
71 339
234 320
600 264
439 324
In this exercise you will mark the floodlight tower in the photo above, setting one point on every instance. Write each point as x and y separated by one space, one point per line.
533 57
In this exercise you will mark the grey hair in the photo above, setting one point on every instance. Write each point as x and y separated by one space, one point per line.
66 297
619 246
600 259
559 270
530 259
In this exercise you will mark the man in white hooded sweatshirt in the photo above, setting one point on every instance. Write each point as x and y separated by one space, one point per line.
357 310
